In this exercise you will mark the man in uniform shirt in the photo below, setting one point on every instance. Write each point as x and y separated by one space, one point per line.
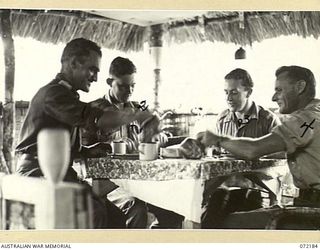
243 118
298 135
121 80
57 105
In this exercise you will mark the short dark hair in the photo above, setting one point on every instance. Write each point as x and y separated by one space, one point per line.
79 47
122 66
297 73
240 74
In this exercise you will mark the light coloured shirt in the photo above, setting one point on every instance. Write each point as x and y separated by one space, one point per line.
257 122
303 144
91 134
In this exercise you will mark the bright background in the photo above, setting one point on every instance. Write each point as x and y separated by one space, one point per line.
192 74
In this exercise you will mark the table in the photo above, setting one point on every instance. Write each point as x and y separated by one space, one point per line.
181 185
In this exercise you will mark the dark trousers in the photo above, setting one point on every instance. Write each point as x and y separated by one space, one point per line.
308 198
166 218
224 202
136 211
107 215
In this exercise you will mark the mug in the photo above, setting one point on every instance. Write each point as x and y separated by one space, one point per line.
148 151
119 147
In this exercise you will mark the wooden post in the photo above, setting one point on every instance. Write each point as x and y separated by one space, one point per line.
8 109
3 164
155 44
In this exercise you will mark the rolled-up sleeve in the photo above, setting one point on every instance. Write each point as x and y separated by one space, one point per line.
294 130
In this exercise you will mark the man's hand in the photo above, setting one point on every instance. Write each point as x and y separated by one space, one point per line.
208 138
149 128
130 145
190 149
96 150
162 138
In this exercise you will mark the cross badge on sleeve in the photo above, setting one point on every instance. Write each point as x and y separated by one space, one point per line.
307 127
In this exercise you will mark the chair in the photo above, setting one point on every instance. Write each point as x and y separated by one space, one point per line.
276 218
299 218
34 203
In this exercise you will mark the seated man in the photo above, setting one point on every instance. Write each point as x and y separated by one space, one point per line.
243 118
57 105
122 81
298 135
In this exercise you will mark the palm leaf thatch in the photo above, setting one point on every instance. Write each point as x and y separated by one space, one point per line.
255 27
60 26
63 26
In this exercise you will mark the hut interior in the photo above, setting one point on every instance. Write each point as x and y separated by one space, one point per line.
181 56
159 39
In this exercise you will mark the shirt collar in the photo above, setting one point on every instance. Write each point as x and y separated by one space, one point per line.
65 84
109 99
313 103
253 113
62 81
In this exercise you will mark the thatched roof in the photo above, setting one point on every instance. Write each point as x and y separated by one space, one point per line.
62 26
242 28
254 27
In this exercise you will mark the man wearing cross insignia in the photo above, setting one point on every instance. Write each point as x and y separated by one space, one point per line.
307 126
298 136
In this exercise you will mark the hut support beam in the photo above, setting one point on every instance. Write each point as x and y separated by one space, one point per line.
9 106
155 44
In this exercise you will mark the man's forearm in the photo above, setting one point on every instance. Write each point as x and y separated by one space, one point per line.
243 148
252 148
111 119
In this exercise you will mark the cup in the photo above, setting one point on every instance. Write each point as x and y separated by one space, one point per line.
119 147
148 151
209 151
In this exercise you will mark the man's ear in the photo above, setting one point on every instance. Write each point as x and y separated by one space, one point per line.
109 81
301 86
74 62
249 92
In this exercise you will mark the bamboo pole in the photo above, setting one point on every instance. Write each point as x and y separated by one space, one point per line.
9 107
155 44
